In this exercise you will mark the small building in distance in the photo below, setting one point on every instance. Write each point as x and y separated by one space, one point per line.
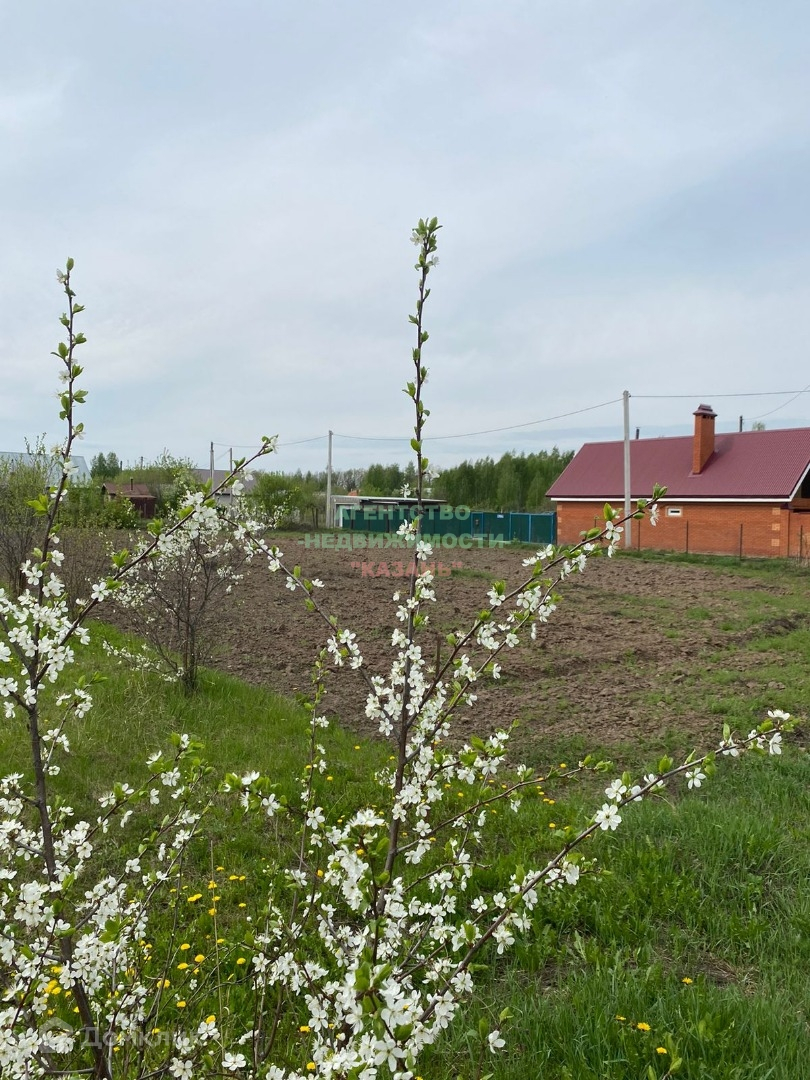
11 458
376 513
224 497
742 493
138 494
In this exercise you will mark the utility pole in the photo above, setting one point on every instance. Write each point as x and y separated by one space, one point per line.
211 465
627 491
230 460
329 484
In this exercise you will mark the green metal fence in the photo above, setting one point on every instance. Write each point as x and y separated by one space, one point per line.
486 525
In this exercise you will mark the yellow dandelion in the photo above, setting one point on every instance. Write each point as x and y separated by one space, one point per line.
212 1018
193 899
185 946
212 911
642 1026
198 959
243 905
311 1064
563 765
233 877
319 873
661 1050
687 980
220 868
182 967
212 884
305 1028
165 983
181 1004
241 960
620 1017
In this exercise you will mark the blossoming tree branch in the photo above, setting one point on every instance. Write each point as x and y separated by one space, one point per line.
367 940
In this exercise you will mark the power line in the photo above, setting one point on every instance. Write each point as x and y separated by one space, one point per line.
253 446
695 397
486 431
299 442
792 394
784 404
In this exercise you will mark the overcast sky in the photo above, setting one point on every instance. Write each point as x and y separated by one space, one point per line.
623 186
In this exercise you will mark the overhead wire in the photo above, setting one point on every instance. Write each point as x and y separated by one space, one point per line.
485 431
784 404
693 397
792 394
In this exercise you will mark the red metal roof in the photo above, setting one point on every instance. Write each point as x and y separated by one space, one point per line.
745 465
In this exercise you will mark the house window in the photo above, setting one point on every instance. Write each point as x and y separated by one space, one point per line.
674 511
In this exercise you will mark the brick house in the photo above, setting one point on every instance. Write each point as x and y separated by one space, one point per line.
743 493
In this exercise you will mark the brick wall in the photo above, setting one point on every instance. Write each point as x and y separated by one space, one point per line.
705 528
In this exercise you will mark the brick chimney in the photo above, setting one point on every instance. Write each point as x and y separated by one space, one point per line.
703 442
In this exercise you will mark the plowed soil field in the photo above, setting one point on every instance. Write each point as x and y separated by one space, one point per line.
623 659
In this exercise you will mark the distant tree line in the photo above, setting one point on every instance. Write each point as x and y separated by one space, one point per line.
515 482
105 466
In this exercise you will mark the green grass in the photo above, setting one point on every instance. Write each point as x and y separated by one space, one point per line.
711 886
714 888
